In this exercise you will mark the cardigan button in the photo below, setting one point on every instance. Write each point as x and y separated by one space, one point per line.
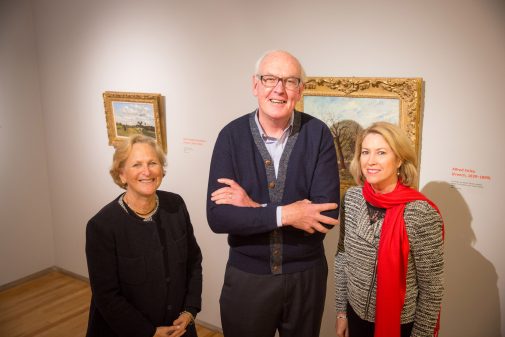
271 185
268 162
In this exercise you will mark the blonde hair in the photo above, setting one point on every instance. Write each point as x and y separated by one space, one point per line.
123 151
400 145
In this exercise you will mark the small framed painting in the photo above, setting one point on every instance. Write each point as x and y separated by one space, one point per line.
129 113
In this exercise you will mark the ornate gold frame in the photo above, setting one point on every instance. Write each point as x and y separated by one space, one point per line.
154 100
407 90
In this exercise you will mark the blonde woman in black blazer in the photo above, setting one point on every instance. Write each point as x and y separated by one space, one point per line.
143 259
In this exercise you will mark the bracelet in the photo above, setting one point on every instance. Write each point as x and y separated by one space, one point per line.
191 317
344 316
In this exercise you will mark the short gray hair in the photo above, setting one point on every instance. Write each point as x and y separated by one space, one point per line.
269 52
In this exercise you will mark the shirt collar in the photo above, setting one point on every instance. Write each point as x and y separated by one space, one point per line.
286 132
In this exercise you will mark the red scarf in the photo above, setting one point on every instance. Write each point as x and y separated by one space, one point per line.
393 257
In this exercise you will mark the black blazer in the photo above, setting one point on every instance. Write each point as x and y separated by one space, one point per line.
131 292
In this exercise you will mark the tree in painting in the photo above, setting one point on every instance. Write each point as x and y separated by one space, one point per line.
344 136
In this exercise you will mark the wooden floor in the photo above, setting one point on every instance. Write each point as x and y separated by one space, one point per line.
51 305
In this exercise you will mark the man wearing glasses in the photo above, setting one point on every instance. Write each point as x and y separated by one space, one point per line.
273 188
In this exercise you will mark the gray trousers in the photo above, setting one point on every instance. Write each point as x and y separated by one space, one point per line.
255 305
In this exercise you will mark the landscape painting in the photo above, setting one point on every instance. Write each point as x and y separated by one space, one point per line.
346 117
349 105
128 113
131 118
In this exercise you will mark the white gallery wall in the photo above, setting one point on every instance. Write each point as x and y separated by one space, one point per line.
26 231
57 57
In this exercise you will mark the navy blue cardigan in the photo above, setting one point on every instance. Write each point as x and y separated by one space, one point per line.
312 173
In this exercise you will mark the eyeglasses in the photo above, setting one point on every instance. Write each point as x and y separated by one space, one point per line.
270 81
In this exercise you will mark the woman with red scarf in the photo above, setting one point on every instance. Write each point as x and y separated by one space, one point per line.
389 261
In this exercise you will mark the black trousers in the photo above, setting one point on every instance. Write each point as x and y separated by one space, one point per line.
257 305
360 328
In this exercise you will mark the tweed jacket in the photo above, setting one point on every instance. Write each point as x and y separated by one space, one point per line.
132 293
307 170
356 262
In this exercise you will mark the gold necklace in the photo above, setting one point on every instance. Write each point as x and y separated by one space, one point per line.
144 214
141 214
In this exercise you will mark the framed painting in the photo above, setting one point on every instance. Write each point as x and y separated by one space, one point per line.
129 113
350 104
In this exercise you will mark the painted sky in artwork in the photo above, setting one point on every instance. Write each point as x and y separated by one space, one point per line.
130 113
365 111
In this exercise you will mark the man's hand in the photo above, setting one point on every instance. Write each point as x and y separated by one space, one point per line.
307 216
233 194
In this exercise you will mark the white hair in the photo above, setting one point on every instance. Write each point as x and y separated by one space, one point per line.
267 53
